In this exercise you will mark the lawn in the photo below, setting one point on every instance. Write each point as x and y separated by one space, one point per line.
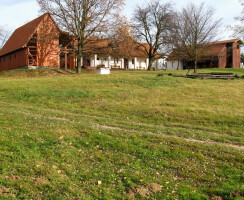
88 136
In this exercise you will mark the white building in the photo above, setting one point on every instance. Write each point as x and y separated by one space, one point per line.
174 64
123 56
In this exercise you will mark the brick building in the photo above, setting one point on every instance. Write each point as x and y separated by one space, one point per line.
221 54
33 45
40 43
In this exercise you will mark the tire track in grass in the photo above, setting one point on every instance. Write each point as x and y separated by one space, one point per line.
209 142
56 111
102 126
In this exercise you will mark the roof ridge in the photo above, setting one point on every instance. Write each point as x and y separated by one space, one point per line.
22 35
36 19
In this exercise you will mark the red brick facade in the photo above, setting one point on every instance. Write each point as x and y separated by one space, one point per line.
236 55
36 44
222 54
14 60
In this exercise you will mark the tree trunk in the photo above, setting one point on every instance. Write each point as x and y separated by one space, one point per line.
195 67
178 67
150 64
166 66
79 59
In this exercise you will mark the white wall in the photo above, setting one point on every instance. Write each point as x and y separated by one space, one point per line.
159 64
173 65
139 63
103 60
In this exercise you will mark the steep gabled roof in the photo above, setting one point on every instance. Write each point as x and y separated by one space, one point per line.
21 36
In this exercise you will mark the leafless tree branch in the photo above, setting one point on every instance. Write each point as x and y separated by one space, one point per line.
151 24
192 28
84 19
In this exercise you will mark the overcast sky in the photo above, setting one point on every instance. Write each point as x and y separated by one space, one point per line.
15 13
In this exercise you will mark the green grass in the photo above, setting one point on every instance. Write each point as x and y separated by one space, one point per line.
61 133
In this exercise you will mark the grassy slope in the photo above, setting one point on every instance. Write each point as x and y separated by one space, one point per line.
60 135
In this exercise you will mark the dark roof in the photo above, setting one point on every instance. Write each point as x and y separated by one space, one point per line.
21 36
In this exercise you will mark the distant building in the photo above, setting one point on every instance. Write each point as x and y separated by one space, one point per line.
221 54
40 44
34 44
116 54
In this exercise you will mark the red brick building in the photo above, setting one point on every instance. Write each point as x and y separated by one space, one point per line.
36 44
221 54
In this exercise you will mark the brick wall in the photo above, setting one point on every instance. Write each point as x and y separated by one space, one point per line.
14 60
236 55
48 44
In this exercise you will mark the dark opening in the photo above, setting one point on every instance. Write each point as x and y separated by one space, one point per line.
229 55
32 54
126 66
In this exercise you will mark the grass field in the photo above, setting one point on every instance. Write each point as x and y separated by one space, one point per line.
68 136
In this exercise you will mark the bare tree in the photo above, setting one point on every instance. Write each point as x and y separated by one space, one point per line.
193 28
84 19
238 28
122 38
151 24
4 35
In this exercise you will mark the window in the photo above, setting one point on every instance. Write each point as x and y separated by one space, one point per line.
133 61
238 47
116 60
98 58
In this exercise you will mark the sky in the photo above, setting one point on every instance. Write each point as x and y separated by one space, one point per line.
15 13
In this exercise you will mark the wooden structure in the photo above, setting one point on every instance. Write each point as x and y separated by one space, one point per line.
35 45
41 44
213 75
221 54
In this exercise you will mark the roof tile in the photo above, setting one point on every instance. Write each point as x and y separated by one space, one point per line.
21 36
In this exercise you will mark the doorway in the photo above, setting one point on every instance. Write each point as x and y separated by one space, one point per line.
126 64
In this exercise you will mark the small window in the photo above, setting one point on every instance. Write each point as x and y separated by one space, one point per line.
133 61
116 60
238 47
98 58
